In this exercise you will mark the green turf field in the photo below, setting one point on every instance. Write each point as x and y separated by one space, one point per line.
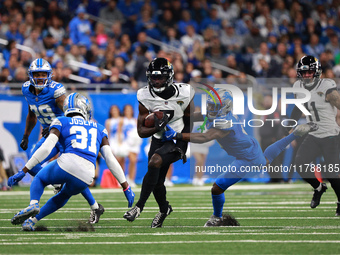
274 219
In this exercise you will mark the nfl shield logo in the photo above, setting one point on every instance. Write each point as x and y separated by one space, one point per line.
166 102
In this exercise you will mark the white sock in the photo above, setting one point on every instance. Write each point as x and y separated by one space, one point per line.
94 206
320 187
34 201
34 219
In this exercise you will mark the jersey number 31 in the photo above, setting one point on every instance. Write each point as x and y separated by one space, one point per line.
82 137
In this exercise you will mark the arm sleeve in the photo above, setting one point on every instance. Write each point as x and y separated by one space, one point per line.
44 150
113 164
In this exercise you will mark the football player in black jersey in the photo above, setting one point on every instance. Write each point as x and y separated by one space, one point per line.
175 101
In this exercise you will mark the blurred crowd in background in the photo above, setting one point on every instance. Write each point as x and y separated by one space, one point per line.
258 38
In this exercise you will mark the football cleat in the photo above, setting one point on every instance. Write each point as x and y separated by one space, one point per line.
160 217
95 214
304 129
132 214
317 195
24 214
337 213
214 221
28 225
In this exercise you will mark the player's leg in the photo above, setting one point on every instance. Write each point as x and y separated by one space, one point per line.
71 187
151 177
160 191
96 209
149 181
48 175
222 183
276 148
308 151
330 151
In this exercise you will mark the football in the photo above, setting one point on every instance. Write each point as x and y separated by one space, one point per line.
149 120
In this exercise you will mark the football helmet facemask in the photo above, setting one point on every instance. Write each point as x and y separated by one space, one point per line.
310 65
214 107
160 74
40 65
77 103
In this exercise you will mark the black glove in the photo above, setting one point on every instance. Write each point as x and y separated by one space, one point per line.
161 123
24 142
181 154
45 132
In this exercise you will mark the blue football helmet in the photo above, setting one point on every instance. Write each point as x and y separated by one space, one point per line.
77 103
40 65
216 110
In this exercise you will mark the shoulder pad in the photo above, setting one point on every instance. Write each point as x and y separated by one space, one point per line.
297 84
59 89
329 82
142 93
56 122
26 84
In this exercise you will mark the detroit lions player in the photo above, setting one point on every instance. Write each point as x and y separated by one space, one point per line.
323 105
175 100
75 168
236 142
45 99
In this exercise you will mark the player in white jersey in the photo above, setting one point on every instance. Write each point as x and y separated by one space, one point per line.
323 105
175 100
75 168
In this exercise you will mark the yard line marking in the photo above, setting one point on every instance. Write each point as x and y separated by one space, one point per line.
172 242
202 210
76 209
184 218
179 189
89 235
219 228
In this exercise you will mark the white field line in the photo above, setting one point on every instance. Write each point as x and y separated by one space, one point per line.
184 209
244 228
171 242
184 218
197 211
280 187
200 233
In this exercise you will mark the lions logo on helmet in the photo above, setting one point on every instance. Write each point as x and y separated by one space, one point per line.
307 64
214 107
40 65
160 74
77 103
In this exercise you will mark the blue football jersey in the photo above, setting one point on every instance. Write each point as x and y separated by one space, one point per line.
80 137
43 104
237 143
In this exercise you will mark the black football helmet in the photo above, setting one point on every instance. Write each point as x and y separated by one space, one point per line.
308 63
160 74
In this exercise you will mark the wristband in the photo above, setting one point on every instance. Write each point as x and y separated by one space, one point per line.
126 188
179 136
25 136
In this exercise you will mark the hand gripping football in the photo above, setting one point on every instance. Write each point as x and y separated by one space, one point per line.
149 120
